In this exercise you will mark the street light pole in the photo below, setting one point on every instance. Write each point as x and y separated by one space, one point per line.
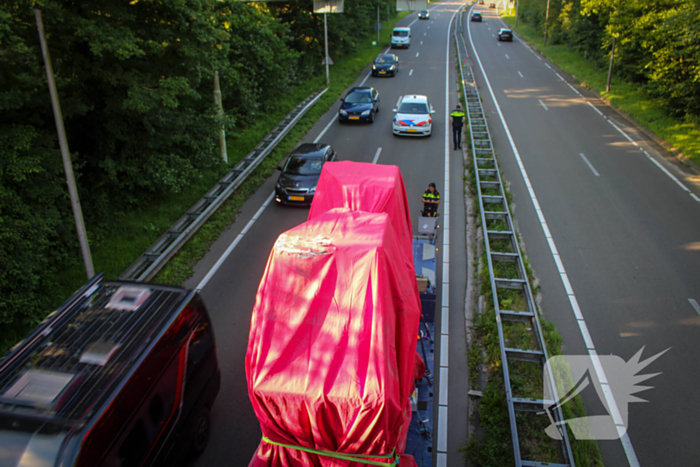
379 24
218 101
517 5
325 36
546 23
65 153
612 57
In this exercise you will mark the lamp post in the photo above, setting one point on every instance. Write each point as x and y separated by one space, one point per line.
65 153
612 57
546 23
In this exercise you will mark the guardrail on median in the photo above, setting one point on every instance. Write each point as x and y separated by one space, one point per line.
158 254
502 249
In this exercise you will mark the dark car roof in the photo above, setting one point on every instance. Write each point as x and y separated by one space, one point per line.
85 349
476 13
310 150
360 89
505 30
385 56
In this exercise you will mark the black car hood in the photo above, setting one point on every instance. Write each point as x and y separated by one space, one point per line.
355 107
298 181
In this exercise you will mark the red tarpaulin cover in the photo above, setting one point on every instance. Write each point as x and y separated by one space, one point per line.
332 341
365 187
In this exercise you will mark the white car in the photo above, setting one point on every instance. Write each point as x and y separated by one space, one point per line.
414 116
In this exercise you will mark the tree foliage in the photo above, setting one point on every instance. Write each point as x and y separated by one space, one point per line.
657 41
134 80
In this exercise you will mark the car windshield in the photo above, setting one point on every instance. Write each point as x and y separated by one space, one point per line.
385 59
477 14
413 108
303 166
424 12
400 33
359 98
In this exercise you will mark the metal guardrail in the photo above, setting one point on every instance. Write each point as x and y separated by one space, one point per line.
158 254
498 228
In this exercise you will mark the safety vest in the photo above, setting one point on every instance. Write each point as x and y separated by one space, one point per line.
434 196
457 117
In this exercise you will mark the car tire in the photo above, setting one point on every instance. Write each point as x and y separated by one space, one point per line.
201 430
371 117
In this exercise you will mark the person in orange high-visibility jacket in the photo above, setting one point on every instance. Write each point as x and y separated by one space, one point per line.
431 199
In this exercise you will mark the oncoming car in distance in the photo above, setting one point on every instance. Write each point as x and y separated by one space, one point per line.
505 35
297 182
424 14
414 116
359 105
385 65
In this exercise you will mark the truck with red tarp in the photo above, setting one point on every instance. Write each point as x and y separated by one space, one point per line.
331 359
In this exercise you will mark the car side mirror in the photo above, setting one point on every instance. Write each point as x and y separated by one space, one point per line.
342 99
432 111
395 110
279 167
396 60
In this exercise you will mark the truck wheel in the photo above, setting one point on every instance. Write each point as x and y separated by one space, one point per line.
201 430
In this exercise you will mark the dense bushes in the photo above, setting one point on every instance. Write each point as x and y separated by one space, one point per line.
657 42
135 85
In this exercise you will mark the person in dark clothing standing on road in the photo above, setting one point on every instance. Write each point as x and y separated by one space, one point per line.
431 199
456 121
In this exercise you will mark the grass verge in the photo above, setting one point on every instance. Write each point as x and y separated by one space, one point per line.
681 134
134 232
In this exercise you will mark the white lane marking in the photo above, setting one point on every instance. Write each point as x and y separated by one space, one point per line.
507 57
376 155
694 304
521 75
417 54
542 104
695 197
586 335
559 76
410 72
325 129
590 166
444 375
444 359
233 244
445 297
573 89
493 35
421 42
498 44
596 109
620 131
425 33
441 459
547 65
442 429
612 405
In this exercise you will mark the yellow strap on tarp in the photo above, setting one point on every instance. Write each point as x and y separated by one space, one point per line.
393 457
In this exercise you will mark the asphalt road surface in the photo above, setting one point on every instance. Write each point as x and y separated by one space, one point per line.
627 236
230 294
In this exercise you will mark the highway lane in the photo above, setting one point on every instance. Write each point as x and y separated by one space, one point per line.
230 293
626 233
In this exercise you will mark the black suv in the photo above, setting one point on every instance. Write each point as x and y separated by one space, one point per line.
300 174
122 374
476 17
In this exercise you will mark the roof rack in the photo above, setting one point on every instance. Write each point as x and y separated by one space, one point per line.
78 355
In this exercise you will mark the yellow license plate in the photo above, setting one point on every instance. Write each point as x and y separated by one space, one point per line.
296 198
382 72
411 130
354 118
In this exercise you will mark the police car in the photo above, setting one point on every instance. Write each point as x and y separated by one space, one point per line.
414 116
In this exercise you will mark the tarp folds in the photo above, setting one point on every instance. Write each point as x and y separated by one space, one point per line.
331 350
365 187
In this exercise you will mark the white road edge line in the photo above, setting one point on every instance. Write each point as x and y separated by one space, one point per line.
376 155
521 75
410 72
445 298
694 304
612 404
590 166
542 104
596 109
507 57
233 245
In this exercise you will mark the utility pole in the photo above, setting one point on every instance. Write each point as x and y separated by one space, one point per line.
517 5
546 23
379 25
612 57
218 101
325 35
65 153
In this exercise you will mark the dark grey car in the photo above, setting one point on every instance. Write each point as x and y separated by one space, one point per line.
300 173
